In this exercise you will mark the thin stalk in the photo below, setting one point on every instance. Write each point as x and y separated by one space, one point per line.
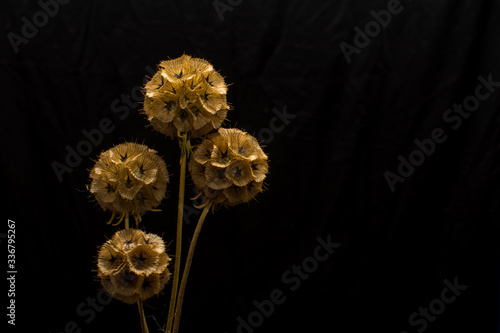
144 325
178 243
127 223
185 274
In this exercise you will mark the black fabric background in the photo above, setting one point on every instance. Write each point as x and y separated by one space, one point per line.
352 122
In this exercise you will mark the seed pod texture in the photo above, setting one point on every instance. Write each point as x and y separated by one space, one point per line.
229 167
129 178
186 95
132 265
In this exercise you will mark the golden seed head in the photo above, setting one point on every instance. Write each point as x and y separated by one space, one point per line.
132 265
229 167
186 95
129 178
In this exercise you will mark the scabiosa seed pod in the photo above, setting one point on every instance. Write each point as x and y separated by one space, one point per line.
129 178
186 95
132 265
229 167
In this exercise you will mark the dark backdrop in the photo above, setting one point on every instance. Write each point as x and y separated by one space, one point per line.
349 122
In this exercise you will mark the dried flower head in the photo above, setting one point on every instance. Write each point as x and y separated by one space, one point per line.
129 178
132 265
186 95
229 167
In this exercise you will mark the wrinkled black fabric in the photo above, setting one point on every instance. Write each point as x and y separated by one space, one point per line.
349 123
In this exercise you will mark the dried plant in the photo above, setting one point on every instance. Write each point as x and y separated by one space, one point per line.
129 179
186 95
185 99
229 167
132 265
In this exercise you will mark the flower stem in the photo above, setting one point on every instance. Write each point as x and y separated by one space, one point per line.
184 145
185 274
144 325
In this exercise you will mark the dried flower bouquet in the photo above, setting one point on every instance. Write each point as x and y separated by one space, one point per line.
185 99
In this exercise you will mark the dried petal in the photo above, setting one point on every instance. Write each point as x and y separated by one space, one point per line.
197 171
109 259
162 262
150 286
126 239
259 169
155 241
216 177
237 194
239 172
126 282
143 259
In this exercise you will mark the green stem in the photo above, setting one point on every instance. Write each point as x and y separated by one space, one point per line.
178 243
185 274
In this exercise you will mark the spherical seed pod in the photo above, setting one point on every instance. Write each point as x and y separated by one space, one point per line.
229 167
129 178
133 265
186 95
